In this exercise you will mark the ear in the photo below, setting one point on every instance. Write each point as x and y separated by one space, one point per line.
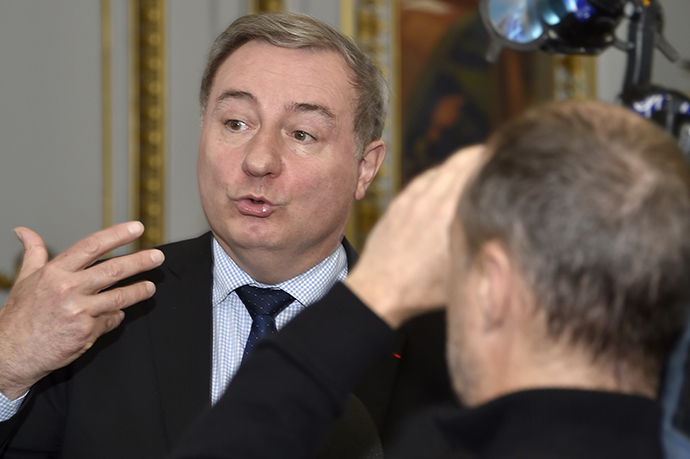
369 165
497 284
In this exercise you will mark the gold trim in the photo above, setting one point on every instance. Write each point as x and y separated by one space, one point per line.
133 118
347 26
574 77
347 17
266 6
106 114
148 117
5 282
395 108
375 30
590 63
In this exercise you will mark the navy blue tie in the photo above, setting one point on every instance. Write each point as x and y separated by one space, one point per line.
263 304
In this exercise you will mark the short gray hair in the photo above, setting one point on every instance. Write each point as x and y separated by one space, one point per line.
291 30
593 202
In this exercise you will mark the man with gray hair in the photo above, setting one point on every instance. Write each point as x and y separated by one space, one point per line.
293 113
562 253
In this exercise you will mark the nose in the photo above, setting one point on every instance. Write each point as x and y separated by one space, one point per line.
262 156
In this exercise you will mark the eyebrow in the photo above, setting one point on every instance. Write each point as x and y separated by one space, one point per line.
235 94
302 107
315 108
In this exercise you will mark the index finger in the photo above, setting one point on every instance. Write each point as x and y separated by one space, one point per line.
91 248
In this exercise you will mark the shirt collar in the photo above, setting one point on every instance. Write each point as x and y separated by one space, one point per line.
306 288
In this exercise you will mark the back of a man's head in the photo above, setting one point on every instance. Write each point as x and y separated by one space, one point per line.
593 204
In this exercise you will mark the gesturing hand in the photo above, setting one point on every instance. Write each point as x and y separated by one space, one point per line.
57 309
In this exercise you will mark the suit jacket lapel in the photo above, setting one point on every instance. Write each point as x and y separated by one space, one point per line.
352 255
181 330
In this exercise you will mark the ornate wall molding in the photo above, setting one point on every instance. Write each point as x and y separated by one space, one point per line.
265 6
574 77
148 117
374 25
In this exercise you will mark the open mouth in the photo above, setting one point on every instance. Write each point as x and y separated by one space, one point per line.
257 202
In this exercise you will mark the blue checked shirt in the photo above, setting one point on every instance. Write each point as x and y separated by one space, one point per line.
232 322
8 407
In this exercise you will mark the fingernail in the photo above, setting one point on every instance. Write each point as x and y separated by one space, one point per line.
135 228
157 256
19 235
150 288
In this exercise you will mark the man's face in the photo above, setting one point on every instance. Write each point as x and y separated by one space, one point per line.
277 163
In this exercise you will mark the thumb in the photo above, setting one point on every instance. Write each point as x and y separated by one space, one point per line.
35 252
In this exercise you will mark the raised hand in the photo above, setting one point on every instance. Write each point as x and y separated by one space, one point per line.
57 309
403 270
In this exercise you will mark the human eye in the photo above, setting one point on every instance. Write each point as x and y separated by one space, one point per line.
236 125
303 137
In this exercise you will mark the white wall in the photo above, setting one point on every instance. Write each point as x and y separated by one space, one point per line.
50 98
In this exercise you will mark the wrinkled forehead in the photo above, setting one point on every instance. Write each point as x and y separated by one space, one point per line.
294 80
320 64
315 47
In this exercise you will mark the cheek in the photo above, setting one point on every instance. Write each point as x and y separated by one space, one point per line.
206 174
326 184
454 355
206 158
454 319
216 167
459 355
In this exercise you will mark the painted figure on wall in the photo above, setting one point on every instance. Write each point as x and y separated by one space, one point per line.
451 96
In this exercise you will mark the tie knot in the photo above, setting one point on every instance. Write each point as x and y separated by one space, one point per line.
263 301
263 305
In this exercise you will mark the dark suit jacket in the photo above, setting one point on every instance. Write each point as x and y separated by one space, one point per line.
307 375
139 388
